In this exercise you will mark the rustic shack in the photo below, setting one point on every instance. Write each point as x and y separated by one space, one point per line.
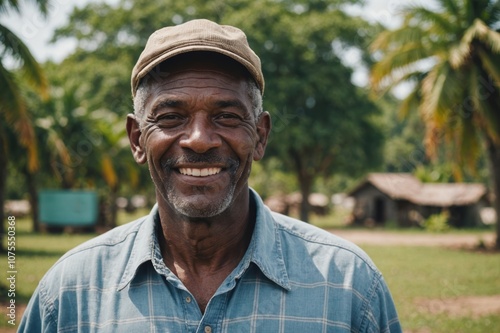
403 200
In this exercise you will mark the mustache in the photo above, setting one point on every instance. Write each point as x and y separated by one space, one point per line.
209 157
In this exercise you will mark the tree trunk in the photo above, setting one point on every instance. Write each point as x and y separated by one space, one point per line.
108 210
305 184
494 157
33 198
113 209
3 186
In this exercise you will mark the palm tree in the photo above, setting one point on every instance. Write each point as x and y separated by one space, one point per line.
452 55
14 116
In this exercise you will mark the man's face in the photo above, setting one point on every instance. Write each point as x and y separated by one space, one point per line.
199 138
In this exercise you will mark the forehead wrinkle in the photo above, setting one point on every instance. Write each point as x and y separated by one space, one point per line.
175 97
187 85
231 103
167 102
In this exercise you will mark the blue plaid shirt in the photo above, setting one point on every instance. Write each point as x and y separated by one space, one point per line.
293 278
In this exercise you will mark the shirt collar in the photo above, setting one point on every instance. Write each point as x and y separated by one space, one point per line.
264 250
145 247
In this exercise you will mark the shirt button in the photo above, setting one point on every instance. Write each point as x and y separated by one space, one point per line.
188 299
208 329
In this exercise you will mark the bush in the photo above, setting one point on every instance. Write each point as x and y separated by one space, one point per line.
437 222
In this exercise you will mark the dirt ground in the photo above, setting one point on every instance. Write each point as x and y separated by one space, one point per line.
467 306
375 237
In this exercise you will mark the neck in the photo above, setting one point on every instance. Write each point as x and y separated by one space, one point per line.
209 245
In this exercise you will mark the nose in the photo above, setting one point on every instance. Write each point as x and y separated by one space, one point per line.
200 135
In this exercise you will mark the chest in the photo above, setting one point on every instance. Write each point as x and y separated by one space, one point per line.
203 288
252 303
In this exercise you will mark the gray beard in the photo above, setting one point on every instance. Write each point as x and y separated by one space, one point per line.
191 209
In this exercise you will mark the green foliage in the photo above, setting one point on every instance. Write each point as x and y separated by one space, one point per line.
442 173
437 222
267 178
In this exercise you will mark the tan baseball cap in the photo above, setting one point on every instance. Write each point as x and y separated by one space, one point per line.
197 35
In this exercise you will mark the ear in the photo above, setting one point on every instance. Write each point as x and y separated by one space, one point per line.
134 136
263 130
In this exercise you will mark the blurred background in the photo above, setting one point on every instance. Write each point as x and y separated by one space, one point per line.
386 117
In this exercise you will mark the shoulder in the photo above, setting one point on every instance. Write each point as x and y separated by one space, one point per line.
322 265
319 242
89 263
116 237
90 269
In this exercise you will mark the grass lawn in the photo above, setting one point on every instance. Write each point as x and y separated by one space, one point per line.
412 273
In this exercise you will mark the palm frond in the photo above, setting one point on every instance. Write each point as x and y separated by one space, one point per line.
13 109
397 64
479 30
413 76
483 105
478 9
451 7
6 5
11 100
31 69
108 171
431 139
440 109
491 64
59 146
459 93
459 53
133 175
494 15
27 138
392 39
411 102
438 22
468 144
432 89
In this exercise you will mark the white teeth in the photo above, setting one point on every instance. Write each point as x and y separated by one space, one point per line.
199 172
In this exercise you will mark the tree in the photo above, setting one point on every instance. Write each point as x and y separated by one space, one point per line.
452 55
91 159
14 117
323 124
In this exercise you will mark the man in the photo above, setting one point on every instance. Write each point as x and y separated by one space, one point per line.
210 257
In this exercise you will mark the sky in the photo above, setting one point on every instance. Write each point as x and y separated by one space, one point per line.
36 31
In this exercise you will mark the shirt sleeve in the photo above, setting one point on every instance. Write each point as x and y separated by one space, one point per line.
380 315
37 316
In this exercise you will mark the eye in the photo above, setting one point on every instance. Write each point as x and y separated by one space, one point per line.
169 120
228 119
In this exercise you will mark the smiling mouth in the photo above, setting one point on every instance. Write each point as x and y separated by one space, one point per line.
195 172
